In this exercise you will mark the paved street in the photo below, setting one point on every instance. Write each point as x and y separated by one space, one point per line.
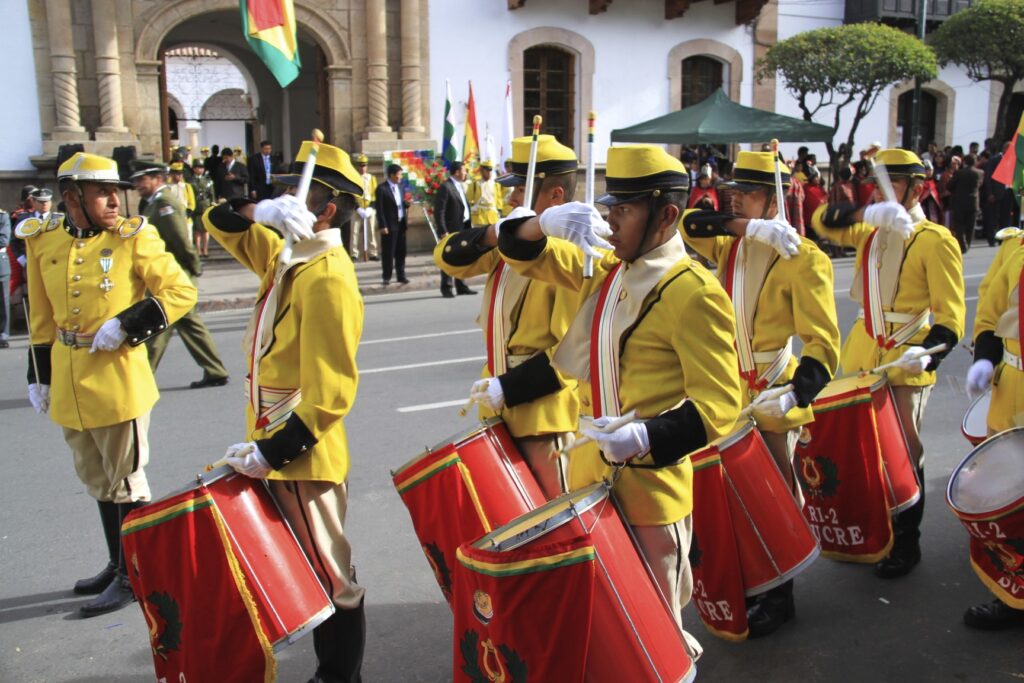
418 350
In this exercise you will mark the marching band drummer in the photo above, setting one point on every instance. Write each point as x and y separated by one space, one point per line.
100 287
781 285
301 344
523 321
654 334
997 364
908 270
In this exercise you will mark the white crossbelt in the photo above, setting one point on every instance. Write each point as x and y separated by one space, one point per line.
1012 360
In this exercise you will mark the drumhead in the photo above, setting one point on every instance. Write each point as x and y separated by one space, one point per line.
991 476
203 479
975 424
544 519
843 385
453 440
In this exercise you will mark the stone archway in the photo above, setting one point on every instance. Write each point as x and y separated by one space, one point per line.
701 47
945 110
153 27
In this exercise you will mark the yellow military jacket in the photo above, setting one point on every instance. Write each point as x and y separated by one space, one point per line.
796 299
680 349
539 320
78 280
486 202
1011 239
316 331
999 314
930 275
369 191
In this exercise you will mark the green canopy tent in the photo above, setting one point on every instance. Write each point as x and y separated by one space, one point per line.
719 121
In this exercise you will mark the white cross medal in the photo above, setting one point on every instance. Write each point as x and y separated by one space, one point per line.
106 263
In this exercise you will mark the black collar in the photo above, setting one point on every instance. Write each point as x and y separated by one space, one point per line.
79 233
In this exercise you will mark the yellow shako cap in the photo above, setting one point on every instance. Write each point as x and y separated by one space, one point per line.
639 171
333 169
900 163
756 170
91 168
553 158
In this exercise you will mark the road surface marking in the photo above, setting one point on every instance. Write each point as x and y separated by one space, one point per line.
431 406
418 336
410 366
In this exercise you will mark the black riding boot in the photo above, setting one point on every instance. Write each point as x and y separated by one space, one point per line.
111 532
906 545
339 643
118 592
771 610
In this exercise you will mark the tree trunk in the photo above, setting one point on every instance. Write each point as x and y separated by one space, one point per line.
1004 127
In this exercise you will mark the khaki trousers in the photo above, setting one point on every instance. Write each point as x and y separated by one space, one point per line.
667 551
110 461
549 472
197 339
315 510
910 405
782 446
363 230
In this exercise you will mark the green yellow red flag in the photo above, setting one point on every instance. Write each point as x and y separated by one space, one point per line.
1010 171
470 139
269 28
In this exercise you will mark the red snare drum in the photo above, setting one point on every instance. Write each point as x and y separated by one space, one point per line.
633 637
773 540
975 424
986 492
462 488
217 569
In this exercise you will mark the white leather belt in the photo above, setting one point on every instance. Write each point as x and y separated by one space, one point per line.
1012 360
768 356
892 317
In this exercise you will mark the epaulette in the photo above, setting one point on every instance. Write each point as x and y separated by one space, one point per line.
1009 234
129 227
30 227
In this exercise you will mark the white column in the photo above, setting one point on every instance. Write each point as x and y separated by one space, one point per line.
377 67
412 105
108 67
62 63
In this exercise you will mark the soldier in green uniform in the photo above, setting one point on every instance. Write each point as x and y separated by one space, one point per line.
205 198
167 214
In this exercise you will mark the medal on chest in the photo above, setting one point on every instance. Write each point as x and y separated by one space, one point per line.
106 263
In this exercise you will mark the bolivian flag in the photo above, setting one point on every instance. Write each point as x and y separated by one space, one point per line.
1010 171
269 27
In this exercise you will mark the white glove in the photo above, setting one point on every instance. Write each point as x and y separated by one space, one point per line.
624 443
110 336
913 366
775 407
361 211
979 378
488 393
39 397
890 216
578 223
287 214
22 260
245 458
777 234
370 212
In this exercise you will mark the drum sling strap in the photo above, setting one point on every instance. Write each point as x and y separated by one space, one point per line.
604 348
875 317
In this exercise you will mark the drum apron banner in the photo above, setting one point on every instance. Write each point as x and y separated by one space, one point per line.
524 615
203 621
839 467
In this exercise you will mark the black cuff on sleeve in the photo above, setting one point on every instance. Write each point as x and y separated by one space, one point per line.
466 247
224 218
987 346
143 320
529 381
699 224
839 215
808 380
287 443
517 249
41 364
939 335
675 433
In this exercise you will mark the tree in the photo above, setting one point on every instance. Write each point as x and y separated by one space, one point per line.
987 40
839 66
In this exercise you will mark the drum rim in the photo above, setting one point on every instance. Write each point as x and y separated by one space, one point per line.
987 514
458 437
588 497
201 479
963 423
875 385
787 575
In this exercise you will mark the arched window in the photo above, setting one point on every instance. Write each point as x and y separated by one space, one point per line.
702 76
927 119
549 89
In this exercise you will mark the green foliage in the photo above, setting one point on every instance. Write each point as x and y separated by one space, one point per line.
986 39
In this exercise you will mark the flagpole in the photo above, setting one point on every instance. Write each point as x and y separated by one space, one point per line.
588 260
780 198
531 168
303 190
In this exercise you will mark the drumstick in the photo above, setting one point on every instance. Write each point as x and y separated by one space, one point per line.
938 348
469 404
766 395
303 190
531 168
588 260
608 428
780 198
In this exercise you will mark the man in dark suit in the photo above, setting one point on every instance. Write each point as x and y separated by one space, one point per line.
392 221
963 203
451 211
233 176
261 166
